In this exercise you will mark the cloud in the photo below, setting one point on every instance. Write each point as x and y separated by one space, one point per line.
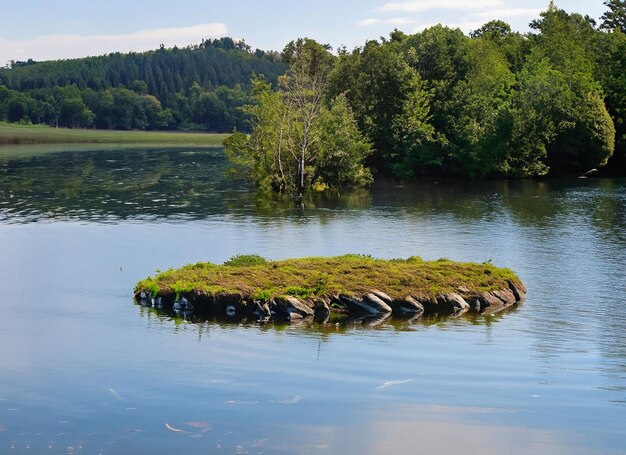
369 22
397 21
508 13
51 47
418 6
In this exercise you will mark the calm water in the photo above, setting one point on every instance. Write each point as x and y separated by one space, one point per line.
85 371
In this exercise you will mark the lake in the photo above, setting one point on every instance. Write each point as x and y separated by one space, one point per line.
84 370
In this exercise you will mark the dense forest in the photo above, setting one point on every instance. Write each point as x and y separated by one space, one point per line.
198 87
494 103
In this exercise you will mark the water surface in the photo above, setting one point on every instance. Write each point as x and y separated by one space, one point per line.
85 370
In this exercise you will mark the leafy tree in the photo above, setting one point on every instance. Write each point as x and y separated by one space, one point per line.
481 103
299 141
615 17
380 87
612 75
572 121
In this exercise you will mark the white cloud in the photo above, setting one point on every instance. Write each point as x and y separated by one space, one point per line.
508 13
368 22
397 21
51 47
417 6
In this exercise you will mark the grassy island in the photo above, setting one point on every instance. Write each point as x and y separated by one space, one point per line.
355 285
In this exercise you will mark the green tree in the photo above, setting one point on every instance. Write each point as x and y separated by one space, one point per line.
381 87
612 75
560 121
479 129
615 17
299 141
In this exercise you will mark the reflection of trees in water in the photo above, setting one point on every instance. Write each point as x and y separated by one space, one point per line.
193 184
544 206
116 183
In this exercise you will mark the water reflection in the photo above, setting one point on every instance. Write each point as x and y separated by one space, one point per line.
436 429
338 324
83 365
192 184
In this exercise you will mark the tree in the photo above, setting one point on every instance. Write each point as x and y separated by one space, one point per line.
481 104
381 87
559 115
612 74
615 17
298 140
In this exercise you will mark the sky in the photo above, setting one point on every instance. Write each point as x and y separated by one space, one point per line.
46 29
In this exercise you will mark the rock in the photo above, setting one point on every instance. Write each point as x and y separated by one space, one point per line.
382 296
370 304
458 302
450 304
289 304
490 304
407 307
518 289
429 304
506 296
379 304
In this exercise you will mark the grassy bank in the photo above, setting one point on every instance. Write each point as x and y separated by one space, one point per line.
253 277
11 134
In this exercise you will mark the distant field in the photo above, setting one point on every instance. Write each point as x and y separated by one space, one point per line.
37 134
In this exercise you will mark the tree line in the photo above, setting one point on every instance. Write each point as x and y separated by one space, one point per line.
496 103
198 87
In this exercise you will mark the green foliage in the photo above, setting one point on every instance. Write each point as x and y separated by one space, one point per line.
299 291
493 104
197 87
245 260
379 85
615 18
299 141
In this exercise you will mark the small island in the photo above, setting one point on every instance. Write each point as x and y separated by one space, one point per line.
350 287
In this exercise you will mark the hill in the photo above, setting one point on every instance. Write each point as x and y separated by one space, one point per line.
196 87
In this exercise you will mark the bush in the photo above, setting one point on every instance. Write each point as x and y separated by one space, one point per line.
245 260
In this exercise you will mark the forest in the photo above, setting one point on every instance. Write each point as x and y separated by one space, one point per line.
199 87
494 103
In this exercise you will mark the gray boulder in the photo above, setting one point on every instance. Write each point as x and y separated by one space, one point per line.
407 306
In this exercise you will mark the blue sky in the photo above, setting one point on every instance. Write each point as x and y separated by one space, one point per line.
44 29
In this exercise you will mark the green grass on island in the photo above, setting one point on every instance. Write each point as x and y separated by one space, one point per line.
256 278
14 134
